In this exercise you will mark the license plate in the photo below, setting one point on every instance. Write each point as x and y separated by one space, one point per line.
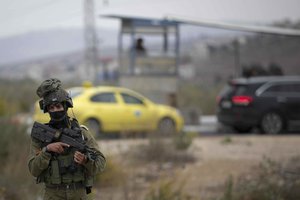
226 104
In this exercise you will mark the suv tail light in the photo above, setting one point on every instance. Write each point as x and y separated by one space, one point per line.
242 100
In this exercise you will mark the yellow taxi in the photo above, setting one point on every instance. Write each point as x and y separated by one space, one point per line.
107 109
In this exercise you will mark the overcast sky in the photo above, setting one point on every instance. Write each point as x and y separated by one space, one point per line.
21 16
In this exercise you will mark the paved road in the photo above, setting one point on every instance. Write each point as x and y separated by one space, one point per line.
207 125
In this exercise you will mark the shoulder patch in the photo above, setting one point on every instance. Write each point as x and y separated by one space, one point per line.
84 127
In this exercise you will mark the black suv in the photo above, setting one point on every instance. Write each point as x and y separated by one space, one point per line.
269 103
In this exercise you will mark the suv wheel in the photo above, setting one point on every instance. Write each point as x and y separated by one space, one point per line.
94 127
272 123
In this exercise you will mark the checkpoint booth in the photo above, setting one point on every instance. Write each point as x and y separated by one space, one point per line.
148 53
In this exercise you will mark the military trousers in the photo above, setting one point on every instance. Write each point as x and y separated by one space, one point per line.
65 194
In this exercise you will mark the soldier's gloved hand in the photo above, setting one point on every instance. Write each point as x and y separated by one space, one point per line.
57 147
80 158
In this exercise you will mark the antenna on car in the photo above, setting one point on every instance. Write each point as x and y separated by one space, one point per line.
74 116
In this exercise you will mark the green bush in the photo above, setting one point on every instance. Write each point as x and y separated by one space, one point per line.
162 150
183 141
3 107
112 176
226 140
16 182
167 190
17 96
14 141
268 181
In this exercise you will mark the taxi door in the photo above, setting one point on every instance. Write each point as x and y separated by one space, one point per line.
106 106
139 115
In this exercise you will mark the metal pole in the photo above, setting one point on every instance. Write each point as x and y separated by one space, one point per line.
177 48
91 41
236 49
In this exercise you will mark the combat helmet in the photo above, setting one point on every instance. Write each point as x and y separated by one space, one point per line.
50 92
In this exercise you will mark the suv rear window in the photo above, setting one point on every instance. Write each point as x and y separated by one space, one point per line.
233 90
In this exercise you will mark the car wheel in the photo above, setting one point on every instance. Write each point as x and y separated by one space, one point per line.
94 127
242 129
272 123
166 126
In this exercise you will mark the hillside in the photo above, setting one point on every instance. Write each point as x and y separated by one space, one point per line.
207 55
43 44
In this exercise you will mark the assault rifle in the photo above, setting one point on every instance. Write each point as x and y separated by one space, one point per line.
47 135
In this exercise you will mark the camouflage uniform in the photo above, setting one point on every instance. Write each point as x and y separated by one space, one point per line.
63 178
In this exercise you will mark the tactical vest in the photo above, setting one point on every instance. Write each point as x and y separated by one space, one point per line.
62 168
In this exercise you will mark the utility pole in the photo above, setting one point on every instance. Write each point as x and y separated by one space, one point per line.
237 65
91 41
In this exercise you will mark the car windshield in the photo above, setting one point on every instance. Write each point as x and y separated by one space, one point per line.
74 92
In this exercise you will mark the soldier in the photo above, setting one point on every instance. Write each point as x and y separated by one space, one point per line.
66 172
139 47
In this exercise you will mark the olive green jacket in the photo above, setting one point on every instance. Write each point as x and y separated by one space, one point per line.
40 160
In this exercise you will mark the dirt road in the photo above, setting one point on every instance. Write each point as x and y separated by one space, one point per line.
231 147
219 157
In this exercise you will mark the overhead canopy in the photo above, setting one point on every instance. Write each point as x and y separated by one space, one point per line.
145 25
231 26
214 13
178 19
254 11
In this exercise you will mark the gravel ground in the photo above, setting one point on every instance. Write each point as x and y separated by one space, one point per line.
217 158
